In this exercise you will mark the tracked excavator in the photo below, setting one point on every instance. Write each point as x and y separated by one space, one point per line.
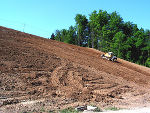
109 56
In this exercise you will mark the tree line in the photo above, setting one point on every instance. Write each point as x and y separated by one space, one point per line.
108 32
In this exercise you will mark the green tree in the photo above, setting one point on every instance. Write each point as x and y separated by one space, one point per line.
107 38
97 21
92 27
115 22
58 35
130 48
52 36
128 28
81 25
140 43
71 36
147 41
64 33
119 44
147 63
102 20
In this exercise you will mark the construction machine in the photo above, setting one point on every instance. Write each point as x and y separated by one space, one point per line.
109 56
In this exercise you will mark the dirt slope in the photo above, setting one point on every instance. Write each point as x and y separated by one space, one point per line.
40 73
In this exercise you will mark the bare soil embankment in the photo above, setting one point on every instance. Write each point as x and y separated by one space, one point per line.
38 73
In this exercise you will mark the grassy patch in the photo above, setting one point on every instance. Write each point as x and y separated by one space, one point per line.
51 111
112 109
42 110
69 110
98 110
26 112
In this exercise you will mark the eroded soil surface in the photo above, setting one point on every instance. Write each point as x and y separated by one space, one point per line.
42 75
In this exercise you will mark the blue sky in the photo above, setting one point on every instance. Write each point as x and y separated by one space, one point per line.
43 17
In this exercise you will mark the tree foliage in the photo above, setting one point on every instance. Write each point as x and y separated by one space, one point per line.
108 32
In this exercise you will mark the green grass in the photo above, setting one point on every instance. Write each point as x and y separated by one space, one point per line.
26 112
51 111
69 110
42 110
112 109
98 110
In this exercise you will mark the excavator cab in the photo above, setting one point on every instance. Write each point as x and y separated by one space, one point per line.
109 56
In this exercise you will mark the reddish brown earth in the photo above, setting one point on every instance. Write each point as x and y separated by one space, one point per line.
41 75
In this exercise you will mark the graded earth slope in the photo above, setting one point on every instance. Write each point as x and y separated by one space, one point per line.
38 73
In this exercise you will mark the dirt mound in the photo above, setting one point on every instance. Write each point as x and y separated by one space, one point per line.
38 73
